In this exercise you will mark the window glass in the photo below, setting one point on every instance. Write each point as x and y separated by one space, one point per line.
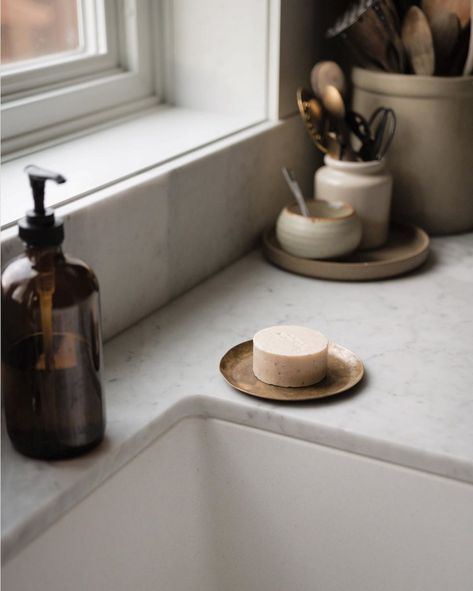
33 29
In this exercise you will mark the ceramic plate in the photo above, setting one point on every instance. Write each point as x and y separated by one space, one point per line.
344 370
406 249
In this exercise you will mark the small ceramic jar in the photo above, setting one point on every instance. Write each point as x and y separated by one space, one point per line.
367 186
331 230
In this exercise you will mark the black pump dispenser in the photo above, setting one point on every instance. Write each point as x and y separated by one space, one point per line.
51 340
40 227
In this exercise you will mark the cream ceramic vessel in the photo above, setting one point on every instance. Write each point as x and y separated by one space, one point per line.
331 230
431 154
367 186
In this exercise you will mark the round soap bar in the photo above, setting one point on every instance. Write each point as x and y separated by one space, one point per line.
291 356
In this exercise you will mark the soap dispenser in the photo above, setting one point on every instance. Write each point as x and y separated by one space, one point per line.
51 340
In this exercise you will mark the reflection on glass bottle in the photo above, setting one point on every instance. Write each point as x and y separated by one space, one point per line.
51 341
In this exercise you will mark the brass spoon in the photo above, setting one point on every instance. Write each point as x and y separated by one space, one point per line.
333 102
313 116
316 122
335 106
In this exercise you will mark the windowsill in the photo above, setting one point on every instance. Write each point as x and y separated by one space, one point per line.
112 154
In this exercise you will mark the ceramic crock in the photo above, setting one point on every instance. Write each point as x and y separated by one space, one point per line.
431 156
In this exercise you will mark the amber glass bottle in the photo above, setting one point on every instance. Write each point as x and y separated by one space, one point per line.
51 341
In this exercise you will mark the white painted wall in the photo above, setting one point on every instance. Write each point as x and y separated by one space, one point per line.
219 69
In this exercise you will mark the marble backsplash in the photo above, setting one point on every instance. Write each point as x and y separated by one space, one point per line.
153 237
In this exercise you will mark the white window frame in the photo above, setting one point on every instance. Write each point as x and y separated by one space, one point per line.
98 51
100 154
86 87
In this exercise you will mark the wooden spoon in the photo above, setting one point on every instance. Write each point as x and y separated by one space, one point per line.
324 74
460 53
459 7
417 39
468 69
445 27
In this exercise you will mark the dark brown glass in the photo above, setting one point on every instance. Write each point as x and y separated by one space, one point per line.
51 377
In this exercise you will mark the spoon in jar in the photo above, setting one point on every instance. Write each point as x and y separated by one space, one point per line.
335 106
313 117
459 7
468 68
324 74
418 41
445 26
296 191
445 32
333 102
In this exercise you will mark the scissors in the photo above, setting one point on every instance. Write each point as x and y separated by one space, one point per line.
360 127
375 134
383 126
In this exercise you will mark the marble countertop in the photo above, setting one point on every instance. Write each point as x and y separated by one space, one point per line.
414 407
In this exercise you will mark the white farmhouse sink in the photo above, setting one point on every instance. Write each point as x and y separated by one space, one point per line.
212 505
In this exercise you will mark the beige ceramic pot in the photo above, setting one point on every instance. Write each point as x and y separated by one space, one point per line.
331 230
431 157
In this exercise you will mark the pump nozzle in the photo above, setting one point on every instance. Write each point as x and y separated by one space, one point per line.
38 177
40 227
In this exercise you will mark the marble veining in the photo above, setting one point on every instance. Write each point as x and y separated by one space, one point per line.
414 406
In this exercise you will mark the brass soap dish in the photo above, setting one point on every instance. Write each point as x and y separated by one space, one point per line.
344 370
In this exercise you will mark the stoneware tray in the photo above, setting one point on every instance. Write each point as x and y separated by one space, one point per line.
344 370
407 248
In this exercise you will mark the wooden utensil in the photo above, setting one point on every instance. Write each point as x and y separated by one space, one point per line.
325 73
389 18
459 7
367 30
468 69
460 53
418 41
445 29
